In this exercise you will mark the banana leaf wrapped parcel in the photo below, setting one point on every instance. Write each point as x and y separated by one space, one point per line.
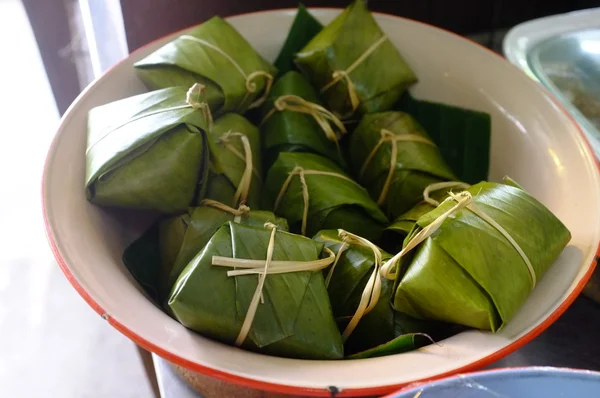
215 55
157 257
354 65
313 193
202 223
475 259
360 300
146 152
394 158
293 120
234 175
260 289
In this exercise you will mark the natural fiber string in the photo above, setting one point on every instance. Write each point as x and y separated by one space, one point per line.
393 139
301 173
250 84
237 213
338 255
262 268
372 291
322 116
241 194
439 186
192 100
345 74
464 200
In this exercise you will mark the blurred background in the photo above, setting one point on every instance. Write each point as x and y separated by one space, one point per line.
52 344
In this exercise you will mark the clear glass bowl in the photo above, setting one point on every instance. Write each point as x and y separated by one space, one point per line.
569 66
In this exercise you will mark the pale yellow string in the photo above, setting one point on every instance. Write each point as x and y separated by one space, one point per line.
322 116
463 200
250 84
263 268
241 194
338 255
301 173
339 75
439 186
393 139
372 291
237 213
192 100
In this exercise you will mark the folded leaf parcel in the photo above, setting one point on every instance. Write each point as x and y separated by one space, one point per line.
339 75
464 200
393 139
324 118
250 84
262 268
302 173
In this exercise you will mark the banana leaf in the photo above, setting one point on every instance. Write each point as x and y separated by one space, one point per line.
203 222
151 257
418 161
215 55
303 29
395 233
382 331
378 80
334 200
292 131
145 152
295 319
228 161
462 135
468 272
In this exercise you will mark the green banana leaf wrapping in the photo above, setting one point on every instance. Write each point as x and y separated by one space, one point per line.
303 29
378 80
291 131
203 222
223 64
157 257
463 135
418 164
151 257
396 232
145 152
228 160
468 272
295 319
382 331
334 201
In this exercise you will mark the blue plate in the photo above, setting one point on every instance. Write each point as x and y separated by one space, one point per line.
511 383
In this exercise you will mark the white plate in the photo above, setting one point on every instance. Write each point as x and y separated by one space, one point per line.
533 141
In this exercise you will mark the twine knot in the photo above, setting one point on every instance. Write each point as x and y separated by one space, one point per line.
344 75
262 268
250 84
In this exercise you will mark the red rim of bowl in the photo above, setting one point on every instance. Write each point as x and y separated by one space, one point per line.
305 391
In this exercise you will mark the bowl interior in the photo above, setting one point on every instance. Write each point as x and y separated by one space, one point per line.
533 141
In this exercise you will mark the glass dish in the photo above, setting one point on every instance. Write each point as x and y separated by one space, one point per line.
569 66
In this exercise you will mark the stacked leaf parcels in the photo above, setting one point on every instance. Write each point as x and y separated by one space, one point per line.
313 208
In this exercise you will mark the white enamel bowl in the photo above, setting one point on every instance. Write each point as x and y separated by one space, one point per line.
533 140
